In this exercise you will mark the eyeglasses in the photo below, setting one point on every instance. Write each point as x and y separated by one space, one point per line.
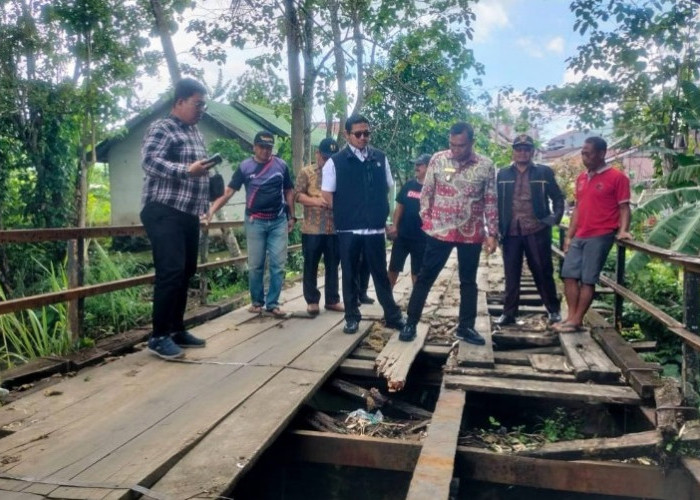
522 148
201 105
361 133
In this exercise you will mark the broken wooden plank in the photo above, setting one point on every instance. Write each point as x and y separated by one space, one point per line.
550 363
668 399
543 389
510 371
587 359
395 360
434 470
380 400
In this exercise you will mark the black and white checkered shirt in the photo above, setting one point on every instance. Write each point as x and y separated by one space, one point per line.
169 147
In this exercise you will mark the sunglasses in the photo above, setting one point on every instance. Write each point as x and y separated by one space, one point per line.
522 148
361 133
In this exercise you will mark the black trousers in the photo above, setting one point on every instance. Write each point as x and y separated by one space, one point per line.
537 248
373 250
436 254
174 239
362 276
314 246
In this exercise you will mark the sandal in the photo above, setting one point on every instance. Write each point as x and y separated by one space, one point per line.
569 328
255 309
277 313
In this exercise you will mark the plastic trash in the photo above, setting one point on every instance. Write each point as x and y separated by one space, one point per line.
371 418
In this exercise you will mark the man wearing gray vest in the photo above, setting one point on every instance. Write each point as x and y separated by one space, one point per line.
356 183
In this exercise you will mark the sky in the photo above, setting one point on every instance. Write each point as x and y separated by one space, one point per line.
522 43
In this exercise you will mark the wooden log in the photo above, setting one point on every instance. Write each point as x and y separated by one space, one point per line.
603 478
549 363
544 389
434 470
668 399
625 446
395 360
587 359
641 376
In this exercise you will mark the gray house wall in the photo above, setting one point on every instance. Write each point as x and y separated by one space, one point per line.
126 177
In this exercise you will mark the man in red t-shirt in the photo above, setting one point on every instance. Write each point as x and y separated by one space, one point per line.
602 213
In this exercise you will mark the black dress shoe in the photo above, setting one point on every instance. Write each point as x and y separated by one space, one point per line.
554 318
365 299
504 319
351 326
470 335
397 324
408 332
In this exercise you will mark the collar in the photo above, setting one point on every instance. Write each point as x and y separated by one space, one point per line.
472 160
516 170
360 153
179 122
598 171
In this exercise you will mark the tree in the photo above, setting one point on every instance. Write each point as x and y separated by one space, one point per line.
646 50
416 94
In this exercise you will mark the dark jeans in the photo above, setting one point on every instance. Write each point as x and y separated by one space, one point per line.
174 239
434 259
537 248
313 246
373 250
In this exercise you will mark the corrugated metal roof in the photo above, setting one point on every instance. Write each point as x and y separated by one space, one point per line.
235 120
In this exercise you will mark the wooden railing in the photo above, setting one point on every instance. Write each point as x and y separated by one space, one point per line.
81 291
687 331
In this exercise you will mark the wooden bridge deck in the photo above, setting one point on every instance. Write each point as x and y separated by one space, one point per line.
174 430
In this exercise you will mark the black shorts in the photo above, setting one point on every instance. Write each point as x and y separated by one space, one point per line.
403 247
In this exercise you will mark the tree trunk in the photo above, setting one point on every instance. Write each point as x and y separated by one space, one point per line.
334 7
163 29
309 75
359 59
293 50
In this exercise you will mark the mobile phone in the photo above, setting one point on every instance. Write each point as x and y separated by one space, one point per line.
213 160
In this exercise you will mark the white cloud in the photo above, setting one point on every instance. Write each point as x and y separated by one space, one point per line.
530 47
490 15
571 76
556 45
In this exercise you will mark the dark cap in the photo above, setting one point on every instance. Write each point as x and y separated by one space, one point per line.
264 138
423 159
523 140
328 147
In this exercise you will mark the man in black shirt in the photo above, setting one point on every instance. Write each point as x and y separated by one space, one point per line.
409 238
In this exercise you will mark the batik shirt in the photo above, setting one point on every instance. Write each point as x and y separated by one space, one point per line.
458 201
317 220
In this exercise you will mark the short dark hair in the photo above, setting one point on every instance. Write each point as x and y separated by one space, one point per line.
598 143
186 88
461 128
354 119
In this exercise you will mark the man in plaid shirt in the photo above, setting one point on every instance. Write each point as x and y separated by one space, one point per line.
175 195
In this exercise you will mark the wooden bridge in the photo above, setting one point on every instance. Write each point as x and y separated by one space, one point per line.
135 426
